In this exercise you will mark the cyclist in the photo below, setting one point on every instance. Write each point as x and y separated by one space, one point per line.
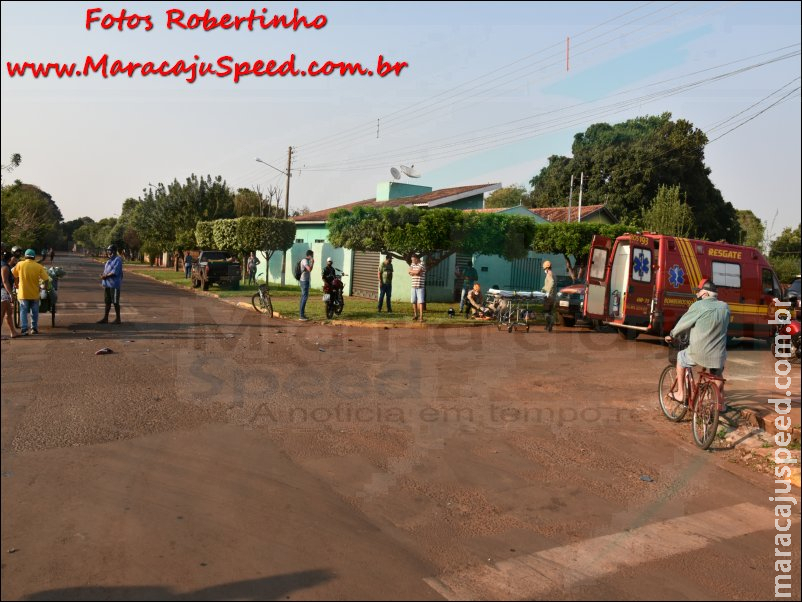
707 319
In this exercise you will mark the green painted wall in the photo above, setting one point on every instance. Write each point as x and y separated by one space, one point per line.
386 191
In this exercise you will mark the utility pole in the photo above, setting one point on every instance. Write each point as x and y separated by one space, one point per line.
581 185
570 197
286 211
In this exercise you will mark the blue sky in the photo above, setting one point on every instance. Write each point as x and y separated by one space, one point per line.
486 97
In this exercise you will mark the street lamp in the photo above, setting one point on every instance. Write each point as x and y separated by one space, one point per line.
286 204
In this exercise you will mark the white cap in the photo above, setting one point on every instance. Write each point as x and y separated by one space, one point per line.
328 259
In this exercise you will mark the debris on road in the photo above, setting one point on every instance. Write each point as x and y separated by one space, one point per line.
104 351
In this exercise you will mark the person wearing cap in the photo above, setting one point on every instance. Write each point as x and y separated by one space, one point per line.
707 319
329 272
112 280
28 274
551 296
386 282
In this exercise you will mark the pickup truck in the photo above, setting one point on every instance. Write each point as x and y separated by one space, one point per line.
216 267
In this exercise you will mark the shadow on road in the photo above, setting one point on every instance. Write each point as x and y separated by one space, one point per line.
268 588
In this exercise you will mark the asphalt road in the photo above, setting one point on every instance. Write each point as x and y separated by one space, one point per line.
217 454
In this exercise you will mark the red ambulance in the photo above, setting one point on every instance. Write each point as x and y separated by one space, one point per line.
644 282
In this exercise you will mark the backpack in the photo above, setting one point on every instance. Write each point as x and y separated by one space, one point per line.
298 270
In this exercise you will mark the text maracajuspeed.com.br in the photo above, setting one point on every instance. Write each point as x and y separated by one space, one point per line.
223 67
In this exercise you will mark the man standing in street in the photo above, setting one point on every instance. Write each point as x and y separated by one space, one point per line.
306 276
28 274
386 282
418 273
551 296
112 280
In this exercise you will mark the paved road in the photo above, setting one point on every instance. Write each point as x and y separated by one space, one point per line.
220 455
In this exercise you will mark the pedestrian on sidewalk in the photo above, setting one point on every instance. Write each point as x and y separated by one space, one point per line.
187 265
551 296
112 280
5 293
418 273
386 283
306 277
28 274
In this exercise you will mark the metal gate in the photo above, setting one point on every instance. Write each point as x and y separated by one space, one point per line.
526 274
364 276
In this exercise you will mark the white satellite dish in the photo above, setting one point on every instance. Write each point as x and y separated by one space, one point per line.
410 171
396 173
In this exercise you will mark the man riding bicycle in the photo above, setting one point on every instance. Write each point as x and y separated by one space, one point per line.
707 319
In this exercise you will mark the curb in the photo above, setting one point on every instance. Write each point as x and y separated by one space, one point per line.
765 422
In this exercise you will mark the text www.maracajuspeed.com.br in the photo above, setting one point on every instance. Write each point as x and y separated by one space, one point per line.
223 67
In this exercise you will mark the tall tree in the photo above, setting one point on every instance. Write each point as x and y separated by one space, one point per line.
509 196
624 164
785 252
30 217
752 230
668 214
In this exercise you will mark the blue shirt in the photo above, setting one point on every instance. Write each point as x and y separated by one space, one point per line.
113 266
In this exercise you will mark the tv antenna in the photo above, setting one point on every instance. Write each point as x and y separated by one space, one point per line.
409 171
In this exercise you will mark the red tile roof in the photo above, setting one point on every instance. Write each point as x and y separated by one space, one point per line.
560 214
420 199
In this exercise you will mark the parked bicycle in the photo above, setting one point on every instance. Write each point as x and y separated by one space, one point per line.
703 397
261 300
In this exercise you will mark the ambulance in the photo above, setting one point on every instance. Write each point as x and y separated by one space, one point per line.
643 282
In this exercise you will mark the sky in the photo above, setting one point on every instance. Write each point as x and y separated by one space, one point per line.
490 91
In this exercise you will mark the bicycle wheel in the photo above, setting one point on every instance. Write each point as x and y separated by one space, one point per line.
16 312
668 384
263 306
53 315
705 415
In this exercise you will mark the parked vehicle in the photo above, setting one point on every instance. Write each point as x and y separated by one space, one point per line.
570 303
643 283
333 296
216 267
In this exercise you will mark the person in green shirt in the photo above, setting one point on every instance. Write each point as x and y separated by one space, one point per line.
707 319
386 282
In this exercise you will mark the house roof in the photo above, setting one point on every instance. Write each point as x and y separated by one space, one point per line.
561 214
435 198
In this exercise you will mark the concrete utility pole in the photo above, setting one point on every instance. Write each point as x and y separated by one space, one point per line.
570 197
287 173
581 185
286 211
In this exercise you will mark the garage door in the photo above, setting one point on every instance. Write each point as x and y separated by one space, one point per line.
365 280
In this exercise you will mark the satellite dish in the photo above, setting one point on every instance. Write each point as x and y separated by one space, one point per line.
395 172
410 171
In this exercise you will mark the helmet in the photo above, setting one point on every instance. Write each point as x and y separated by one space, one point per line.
30 253
328 260
547 265
111 249
16 250
705 284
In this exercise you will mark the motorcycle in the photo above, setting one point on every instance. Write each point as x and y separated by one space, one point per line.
333 295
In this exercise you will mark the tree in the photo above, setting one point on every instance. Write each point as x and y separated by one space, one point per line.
784 254
204 235
13 162
434 233
668 214
509 196
30 217
624 165
573 239
752 229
